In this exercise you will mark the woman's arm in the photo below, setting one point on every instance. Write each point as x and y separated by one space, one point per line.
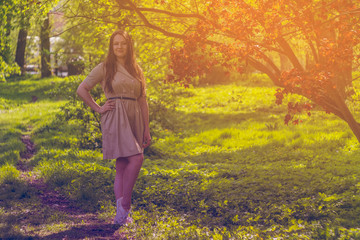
145 114
84 93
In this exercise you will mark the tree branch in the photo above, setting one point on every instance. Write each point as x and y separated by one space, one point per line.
289 53
262 68
326 104
155 10
271 63
58 34
148 24
313 50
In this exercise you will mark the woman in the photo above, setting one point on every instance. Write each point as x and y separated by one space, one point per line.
124 116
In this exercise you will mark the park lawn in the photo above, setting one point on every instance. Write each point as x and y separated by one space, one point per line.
222 166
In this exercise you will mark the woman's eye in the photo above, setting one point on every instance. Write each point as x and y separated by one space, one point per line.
120 44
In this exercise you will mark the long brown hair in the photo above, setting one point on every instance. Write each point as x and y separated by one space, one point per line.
131 64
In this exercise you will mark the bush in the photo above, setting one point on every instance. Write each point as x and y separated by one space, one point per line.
9 174
78 112
7 70
75 66
11 186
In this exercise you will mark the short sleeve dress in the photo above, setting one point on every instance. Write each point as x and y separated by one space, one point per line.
122 128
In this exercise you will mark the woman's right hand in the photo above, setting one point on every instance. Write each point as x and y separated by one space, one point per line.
108 106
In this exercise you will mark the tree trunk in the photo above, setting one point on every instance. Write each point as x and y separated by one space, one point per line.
20 49
285 64
347 116
353 124
45 48
344 80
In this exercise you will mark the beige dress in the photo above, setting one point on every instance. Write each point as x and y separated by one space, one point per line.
122 128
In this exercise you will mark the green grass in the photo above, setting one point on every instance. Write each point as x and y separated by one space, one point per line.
18 114
222 165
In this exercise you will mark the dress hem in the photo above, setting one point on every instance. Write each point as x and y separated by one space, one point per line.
127 155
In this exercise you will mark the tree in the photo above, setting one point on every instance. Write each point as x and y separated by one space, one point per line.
45 48
234 33
20 49
26 10
7 13
84 36
16 15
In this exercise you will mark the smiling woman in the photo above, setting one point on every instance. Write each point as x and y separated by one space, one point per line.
124 117
120 47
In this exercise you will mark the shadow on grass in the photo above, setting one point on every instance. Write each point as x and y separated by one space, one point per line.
87 231
92 231
25 209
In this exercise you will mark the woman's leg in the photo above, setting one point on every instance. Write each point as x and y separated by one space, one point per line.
130 175
119 177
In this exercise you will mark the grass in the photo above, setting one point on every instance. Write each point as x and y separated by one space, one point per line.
222 166
19 115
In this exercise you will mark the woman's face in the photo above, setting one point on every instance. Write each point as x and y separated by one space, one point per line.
119 47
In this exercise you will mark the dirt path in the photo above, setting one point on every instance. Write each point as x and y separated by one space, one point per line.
79 223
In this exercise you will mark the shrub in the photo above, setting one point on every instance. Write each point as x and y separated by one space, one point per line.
11 186
8 174
77 111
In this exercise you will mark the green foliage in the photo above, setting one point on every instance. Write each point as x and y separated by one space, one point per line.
163 100
15 14
9 174
11 146
11 187
7 69
79 113
87 36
